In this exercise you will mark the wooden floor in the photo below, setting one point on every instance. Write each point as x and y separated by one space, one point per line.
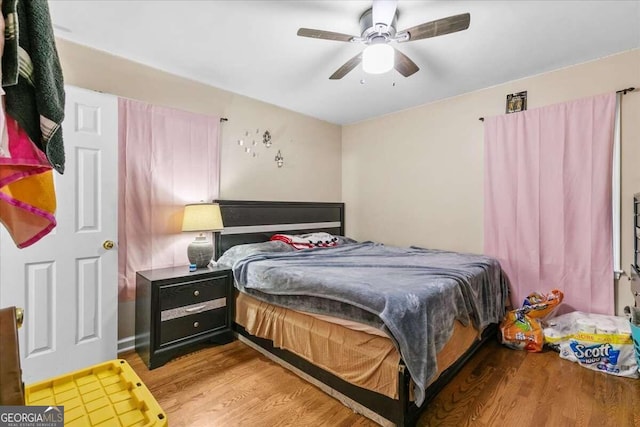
233 385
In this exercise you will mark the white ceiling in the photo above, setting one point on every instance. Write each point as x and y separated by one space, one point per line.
251 47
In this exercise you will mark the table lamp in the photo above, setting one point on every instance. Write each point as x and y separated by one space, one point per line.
202 217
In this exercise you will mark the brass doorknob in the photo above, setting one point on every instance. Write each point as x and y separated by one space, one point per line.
108 244
19 316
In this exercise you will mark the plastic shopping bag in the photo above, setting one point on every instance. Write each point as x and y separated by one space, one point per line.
521 332
542 306
521 328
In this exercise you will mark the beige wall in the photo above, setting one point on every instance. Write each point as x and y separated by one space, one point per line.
415 177
311 150
302 140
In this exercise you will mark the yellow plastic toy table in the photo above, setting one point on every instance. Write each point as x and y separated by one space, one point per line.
107 394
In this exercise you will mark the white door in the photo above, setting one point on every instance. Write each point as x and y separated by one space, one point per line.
67 282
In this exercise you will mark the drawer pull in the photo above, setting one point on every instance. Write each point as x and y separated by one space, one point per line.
192 309
196 292
196 324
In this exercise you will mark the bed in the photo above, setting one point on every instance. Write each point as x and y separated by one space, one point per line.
354 349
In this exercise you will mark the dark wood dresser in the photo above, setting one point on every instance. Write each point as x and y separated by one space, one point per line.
178 310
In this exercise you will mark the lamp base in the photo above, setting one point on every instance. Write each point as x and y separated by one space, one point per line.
200 252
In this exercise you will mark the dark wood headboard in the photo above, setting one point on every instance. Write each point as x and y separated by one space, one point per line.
256 221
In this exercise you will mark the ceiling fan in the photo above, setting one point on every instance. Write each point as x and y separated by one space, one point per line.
378 30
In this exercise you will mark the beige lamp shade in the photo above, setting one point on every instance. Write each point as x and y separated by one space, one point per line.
202 217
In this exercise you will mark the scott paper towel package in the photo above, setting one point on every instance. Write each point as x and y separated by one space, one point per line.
595 341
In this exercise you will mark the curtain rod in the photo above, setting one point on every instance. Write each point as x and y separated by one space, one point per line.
625 91
223 119
622 91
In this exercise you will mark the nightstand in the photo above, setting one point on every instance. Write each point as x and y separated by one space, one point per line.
178 310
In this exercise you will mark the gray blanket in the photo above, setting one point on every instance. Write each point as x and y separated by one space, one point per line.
414 294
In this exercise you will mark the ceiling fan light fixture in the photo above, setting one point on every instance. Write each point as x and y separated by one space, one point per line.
377 58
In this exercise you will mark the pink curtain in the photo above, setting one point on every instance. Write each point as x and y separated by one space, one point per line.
547 211
167 158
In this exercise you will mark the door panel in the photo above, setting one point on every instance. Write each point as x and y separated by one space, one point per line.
89 293
67 282
40 307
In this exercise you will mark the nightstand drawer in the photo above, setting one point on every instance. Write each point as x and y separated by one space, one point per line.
194 324
197 291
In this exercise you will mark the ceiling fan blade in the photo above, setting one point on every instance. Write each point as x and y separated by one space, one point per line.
346 67
404 65
383 11
326 35
438 27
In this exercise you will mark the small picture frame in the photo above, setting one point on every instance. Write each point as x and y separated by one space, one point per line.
516 102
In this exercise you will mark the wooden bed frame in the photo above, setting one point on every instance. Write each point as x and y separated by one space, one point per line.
257 221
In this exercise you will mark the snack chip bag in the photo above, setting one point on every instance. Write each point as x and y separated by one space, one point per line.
521 332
